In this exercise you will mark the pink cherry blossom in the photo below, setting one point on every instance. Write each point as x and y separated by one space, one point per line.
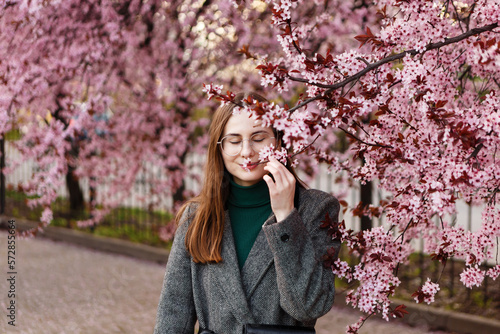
472 276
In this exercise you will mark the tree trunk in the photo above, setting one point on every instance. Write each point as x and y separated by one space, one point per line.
178 196
366 198
76 201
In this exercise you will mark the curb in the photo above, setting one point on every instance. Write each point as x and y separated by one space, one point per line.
99 243
419 315
435 319
439 319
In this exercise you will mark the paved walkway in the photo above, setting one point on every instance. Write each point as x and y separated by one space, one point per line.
61 288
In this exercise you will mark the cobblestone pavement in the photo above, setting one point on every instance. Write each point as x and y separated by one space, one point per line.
61 288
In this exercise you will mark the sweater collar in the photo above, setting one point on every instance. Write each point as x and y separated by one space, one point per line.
251 196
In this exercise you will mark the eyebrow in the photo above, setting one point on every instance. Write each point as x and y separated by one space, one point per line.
253 133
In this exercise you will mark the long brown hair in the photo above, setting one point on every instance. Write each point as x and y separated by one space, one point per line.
204 235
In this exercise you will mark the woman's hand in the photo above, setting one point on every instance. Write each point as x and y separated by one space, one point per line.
281 190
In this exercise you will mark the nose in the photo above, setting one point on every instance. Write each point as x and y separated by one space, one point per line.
246 149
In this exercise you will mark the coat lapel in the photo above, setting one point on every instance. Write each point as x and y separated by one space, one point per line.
258 262
228 278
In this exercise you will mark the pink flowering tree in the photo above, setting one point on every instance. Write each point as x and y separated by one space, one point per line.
419 104
103 89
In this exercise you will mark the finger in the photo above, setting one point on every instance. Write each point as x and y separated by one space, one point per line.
285 175
277 165
281 167
277 174
270 184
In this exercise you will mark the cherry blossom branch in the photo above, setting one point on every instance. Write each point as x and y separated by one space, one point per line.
362 141
456 13
372 66
498 83
362 129
350 88
289 23
404 121
318 84
353 329
402 235
414 52
493 200
476 151
295 154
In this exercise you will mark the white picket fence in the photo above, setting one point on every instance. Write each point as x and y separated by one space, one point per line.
468 217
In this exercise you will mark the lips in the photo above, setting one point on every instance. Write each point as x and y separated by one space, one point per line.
250 166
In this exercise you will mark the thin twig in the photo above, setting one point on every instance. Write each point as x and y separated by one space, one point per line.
362 141
402 235
363 60
362 129
352 86
293 41
493 196
498 83
403 120
458 16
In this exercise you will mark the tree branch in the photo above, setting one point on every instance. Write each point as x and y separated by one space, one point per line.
362 141
294 154
372 66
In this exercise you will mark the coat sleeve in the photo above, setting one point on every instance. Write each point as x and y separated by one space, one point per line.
298 243
176 311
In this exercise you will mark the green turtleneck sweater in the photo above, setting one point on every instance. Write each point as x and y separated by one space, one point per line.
249 207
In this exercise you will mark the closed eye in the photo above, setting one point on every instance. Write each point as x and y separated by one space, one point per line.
260 136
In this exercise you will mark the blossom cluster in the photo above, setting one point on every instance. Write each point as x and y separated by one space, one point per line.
427 292
472 276
271 152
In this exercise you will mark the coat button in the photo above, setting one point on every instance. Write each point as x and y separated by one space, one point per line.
285 237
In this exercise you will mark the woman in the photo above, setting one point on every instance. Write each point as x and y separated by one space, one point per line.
248 249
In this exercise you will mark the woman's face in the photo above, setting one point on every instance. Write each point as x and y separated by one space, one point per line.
240 128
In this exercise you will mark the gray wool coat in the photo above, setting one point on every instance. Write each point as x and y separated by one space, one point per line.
283 280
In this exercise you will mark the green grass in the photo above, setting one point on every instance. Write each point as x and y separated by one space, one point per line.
132 224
